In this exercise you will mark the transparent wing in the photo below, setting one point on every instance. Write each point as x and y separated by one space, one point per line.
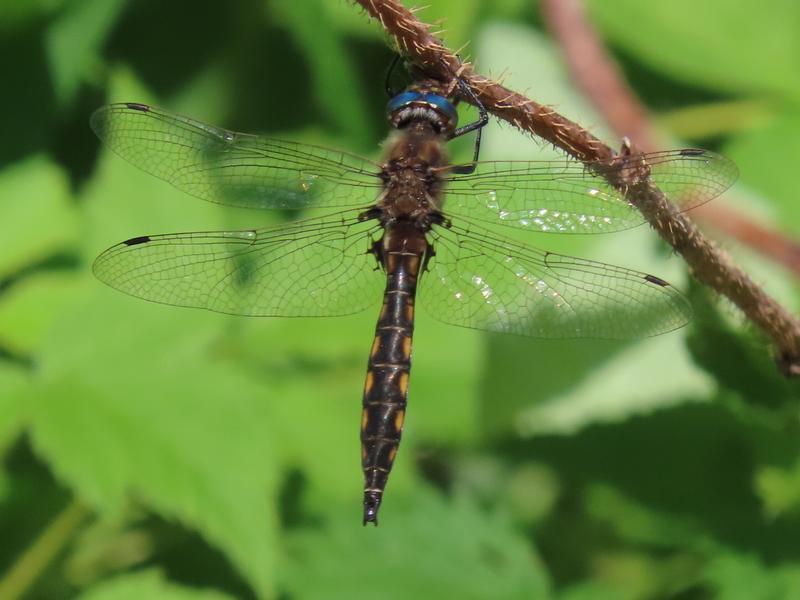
479 280
566 196
314 267
232 168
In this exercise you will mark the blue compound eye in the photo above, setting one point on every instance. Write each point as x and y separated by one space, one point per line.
446 114
401 101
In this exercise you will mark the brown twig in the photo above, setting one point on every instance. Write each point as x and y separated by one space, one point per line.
596 73
768 242
707 263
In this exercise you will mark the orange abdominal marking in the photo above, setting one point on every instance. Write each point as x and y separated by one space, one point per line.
402 383
370 380
407 347
364 419
409 312
398 420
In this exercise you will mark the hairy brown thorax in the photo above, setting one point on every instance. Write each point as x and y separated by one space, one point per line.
412 174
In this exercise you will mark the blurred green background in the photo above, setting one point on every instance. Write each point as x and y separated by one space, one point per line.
158 452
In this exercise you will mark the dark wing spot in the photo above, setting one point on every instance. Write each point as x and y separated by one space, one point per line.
692 152
137 106
142 239
656 280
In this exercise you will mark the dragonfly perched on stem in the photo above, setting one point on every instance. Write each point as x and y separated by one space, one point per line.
411 225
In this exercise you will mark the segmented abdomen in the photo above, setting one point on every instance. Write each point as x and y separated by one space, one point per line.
403 250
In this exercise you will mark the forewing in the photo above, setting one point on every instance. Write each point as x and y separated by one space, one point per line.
315 267
566 196
233 168
479 280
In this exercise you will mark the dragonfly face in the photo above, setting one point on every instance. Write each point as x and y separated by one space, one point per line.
394 212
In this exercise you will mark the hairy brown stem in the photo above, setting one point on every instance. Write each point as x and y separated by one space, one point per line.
707 263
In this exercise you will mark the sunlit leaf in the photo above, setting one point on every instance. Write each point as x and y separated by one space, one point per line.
31 306
715 44
14 380
741 577
36 217
74 41
474 554
131 404
148 584
767 154
779 489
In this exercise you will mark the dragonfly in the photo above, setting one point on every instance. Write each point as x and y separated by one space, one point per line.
411 226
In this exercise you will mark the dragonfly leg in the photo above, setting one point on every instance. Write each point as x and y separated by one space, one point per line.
387 84
376 249
478 126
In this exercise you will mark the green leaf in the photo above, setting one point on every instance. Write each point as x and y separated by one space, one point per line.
779 489
17 14
444 391
150 584
638 522
13 410
74 41
653 460
766 155
744 367
331 67
130 402
609 392
595 590
31 306
36 218
736 576
436 549
716 44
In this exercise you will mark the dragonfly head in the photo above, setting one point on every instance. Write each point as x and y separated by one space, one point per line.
422 102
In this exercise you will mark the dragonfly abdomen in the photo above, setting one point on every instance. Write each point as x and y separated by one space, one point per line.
402 253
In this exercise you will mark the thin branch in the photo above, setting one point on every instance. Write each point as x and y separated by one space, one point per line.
707 263
596 73
29 566
768 242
